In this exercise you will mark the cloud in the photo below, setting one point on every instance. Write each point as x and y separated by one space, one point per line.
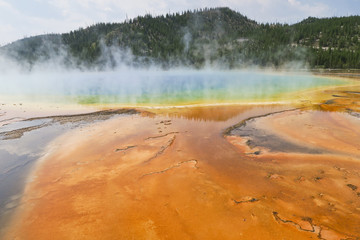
284 11
314 9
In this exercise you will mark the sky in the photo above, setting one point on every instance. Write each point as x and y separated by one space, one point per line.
25 18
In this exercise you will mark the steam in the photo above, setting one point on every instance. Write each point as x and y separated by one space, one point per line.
155 87
186 40
119 76
198 52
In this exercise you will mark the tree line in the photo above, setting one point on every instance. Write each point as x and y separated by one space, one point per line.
217 37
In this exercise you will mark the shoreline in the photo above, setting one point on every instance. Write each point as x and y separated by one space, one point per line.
144 166
102 166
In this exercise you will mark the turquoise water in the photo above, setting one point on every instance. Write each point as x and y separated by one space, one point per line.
159 87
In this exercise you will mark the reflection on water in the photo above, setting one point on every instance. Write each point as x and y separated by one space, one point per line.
160 88
23 124
17 156
23 143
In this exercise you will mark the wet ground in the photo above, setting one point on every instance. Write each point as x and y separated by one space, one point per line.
23 142
220 172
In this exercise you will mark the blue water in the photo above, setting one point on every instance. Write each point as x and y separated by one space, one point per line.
159 87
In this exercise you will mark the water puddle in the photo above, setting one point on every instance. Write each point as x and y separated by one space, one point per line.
23 143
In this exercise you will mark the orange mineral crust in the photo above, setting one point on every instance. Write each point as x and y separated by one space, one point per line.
176 176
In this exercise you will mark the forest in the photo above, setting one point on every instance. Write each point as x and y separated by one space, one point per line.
214 37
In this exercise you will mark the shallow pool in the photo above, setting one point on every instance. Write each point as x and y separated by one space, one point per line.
159 87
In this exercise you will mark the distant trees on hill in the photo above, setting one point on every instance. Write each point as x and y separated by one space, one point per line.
207 37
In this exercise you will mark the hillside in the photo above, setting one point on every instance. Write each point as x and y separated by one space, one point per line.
216 37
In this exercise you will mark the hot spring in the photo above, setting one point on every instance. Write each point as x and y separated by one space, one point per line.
158 88
243 152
